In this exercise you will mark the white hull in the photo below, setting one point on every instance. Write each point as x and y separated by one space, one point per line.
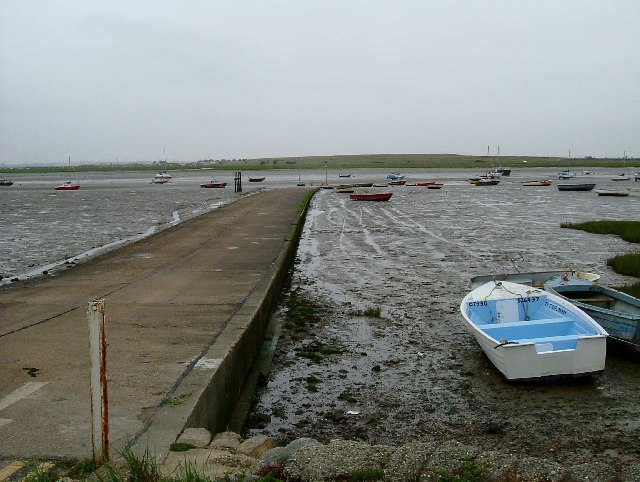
541 350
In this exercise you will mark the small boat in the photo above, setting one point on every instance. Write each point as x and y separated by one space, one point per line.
397 182
395 176
483 181
383 196
163 175
636 177
344 174
435 185
586 173
566 174
533 278
621 177
531 334
430 185
67 186
576 187
256 179
541 182
345 191
616 312
159 180
214 184
502 171
6 182
613 192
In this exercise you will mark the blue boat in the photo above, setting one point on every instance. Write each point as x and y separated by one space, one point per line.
616 312
576 187
532 334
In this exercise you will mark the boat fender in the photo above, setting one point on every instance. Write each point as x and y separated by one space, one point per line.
504 342
565 277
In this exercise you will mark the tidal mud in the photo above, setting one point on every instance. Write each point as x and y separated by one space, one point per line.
414 373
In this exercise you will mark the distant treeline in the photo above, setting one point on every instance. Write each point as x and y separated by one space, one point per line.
387 161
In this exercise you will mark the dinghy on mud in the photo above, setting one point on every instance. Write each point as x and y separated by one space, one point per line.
530 334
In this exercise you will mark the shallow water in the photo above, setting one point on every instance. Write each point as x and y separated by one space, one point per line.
415 373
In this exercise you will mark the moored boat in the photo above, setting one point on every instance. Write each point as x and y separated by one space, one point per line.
531 334
567 174
67 186
214 184
576 187
483 181
395 176
613 192
6 182
383 196
256 179
533 278
621 177
615 311
540 182
397 182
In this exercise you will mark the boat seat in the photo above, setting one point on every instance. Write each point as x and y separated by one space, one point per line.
542 321
529 329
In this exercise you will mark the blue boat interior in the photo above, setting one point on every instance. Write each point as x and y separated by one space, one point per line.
536 319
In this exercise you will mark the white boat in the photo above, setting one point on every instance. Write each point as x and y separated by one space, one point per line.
163 175
621 177
531 334
566 174
533 278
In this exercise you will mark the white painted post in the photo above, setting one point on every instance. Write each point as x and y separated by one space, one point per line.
99 404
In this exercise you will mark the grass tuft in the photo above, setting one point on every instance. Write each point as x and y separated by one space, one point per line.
627 230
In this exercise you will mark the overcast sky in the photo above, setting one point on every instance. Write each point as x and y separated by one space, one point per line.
133 80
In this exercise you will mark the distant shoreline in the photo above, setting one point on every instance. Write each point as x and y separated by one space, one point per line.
364 161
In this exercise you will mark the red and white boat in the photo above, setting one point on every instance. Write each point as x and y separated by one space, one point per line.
214 184
67 186
382 196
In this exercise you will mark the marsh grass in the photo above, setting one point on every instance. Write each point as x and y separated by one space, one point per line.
301 311
625 264
627 230
371 312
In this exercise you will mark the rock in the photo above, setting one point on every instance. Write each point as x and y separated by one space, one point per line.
593 472
279 455
408 462
226 440
213 463
198 437
256 446
336 460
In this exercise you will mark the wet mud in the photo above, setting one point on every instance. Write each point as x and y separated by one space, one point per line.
414 373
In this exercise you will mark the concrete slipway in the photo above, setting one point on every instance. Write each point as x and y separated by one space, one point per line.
186 310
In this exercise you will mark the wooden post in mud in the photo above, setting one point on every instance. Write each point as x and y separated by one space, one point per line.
99 403
238 181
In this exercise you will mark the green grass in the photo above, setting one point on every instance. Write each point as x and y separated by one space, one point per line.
470 471
625 264
371 312
627 230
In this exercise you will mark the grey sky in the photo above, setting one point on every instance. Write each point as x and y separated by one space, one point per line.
242 79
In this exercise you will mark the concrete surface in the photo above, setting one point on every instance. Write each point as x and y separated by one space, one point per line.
185 313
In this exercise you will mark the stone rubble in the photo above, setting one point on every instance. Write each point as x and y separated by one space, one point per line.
228 456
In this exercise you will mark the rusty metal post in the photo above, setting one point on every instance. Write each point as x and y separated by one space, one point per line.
99 401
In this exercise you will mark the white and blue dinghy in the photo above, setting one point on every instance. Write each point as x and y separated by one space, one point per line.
530 334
